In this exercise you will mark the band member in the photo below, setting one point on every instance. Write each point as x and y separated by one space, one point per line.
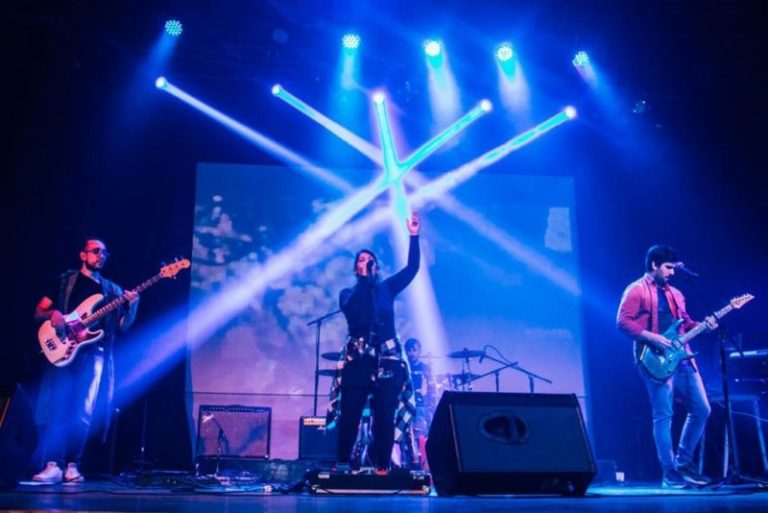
69 394
424 395
648 308
373 361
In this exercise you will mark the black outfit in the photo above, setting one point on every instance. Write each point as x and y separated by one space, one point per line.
374 363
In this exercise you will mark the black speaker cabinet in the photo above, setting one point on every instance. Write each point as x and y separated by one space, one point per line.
315 443
492 443
233 431
18 438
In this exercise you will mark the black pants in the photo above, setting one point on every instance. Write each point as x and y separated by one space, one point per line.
385 389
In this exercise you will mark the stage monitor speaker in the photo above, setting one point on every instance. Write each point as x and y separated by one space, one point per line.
233 431
315 443
18 438
493 443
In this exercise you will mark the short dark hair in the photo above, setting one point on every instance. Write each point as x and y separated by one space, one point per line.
411 343
88 239
368 251
658 254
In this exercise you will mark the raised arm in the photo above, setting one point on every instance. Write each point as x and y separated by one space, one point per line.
402 278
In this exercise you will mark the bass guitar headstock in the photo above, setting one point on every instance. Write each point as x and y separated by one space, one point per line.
172 269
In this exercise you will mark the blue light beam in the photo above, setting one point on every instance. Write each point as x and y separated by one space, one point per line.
265 143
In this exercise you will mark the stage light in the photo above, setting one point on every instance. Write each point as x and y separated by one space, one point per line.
346 135
486 105
581 59
432 48
277 89
290 157
570 112
349 65
378 97
173 28
504 52
161 82
350 41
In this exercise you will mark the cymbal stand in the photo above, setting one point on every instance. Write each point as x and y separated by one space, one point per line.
466 370
532 377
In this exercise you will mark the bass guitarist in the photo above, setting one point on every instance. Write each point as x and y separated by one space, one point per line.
649 306
69 394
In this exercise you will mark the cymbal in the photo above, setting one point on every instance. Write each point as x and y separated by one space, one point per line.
466 353
327 372
333 355
465 377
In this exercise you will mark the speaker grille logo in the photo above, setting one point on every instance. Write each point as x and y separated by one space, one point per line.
506 427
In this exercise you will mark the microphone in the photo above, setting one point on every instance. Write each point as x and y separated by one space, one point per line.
680 266
369 266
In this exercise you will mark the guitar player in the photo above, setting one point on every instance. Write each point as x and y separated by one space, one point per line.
69 395
649 306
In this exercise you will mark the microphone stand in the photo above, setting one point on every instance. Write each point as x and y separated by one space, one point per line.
221 439
733 473
532 377
319 323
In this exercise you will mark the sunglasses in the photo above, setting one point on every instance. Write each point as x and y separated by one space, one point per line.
97 251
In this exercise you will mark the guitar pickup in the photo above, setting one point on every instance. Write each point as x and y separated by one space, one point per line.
50 344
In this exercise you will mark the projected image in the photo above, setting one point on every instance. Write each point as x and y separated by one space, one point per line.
502 280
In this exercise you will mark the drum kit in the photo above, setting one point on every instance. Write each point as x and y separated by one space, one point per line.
463 381
454 382
449 381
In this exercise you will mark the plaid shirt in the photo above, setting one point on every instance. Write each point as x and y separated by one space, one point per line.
406 408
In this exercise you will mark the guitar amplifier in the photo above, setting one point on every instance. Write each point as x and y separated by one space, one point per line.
315 443
233 431
748 371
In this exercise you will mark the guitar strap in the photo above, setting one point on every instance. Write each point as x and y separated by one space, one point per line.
676 315
65 289
671 302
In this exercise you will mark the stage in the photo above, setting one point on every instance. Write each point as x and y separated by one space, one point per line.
184 493
545 148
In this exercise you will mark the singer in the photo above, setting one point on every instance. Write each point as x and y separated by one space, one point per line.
373 360
648 308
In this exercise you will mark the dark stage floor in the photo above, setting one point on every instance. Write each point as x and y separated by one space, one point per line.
180 494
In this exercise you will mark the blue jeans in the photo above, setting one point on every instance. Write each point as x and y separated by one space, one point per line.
68 397
687 384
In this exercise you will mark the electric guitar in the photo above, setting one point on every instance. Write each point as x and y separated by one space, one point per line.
60 346
661 363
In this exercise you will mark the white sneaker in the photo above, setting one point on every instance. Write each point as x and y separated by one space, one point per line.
72 475
50 474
